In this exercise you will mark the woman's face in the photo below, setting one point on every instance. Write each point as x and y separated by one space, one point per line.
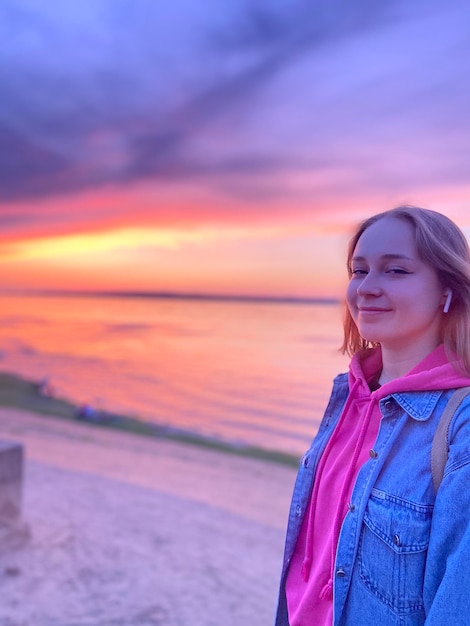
394 298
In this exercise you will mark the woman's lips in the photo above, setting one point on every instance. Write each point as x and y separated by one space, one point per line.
372 310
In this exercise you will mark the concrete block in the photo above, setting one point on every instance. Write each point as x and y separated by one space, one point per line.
11 481
14 532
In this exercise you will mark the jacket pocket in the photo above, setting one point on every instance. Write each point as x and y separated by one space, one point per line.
393 550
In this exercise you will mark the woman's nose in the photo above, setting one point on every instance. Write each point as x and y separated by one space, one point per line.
369 285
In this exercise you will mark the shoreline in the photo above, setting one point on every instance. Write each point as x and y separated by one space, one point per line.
18 392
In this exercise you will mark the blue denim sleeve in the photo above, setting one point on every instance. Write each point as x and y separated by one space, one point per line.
446 590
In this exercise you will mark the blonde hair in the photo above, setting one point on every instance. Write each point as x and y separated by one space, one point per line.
442 245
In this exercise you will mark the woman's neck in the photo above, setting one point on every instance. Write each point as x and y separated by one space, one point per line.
396 364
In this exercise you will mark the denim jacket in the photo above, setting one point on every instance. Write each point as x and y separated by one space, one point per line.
403 554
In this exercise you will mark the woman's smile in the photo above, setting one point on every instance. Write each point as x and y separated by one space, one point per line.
373 309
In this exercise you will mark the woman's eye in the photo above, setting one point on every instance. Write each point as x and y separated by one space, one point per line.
397 270
358 272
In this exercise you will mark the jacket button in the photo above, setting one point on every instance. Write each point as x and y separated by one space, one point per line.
388 404
396 540
373 454
351 507
340 572
305 461
298 510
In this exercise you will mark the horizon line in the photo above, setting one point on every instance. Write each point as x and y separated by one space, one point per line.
173 295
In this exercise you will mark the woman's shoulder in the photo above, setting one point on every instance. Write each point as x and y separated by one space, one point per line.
341 378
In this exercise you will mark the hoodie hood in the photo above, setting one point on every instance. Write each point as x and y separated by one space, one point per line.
434 373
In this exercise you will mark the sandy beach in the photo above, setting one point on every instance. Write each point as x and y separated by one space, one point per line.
124 530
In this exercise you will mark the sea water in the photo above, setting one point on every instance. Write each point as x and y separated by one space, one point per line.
256 373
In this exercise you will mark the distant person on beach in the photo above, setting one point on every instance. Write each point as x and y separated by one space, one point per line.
376 536
45 387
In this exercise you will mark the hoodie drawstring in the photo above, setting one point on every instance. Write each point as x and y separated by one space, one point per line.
327 591
307 561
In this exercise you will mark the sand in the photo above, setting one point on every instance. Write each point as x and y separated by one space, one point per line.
125 530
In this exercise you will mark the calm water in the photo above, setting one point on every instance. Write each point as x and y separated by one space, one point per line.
246 372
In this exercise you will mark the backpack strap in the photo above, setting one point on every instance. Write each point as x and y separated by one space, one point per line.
440 444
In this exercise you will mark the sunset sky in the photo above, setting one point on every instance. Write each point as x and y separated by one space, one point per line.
222 147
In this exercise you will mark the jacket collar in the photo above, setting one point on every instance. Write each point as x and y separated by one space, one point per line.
418 404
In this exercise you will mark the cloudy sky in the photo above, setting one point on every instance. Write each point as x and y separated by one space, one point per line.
222 146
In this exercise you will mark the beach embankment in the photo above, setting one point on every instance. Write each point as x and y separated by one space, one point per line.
126 530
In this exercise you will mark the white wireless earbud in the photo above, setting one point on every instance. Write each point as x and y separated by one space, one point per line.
448 301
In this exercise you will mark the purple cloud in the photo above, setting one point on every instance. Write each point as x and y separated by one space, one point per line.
240 100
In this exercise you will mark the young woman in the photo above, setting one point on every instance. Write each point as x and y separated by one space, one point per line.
369 541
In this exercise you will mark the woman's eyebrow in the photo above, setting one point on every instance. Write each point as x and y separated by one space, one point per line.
389 256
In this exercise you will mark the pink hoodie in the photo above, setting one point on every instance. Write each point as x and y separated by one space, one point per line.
309 583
